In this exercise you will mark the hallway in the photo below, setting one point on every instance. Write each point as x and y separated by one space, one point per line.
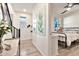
28 49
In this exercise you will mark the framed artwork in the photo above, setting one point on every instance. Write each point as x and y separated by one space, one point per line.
39 22
56 23
40 25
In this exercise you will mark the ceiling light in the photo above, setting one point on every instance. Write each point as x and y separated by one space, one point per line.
24 10
68 9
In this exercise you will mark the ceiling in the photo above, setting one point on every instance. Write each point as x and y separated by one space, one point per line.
58 8
18 7
74 9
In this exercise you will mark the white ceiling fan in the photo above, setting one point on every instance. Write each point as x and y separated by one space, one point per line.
68 7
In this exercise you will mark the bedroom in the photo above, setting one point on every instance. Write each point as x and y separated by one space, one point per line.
66 23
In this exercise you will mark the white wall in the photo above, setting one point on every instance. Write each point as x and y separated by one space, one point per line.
41 41
52 42
45 44
54 11
26 33
1 15
71 20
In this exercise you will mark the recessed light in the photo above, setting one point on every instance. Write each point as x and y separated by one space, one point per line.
24 10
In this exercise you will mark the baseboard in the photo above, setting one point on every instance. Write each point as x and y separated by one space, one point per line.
26 39
39 49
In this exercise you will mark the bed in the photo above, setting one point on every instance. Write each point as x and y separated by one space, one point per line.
68 36
72 34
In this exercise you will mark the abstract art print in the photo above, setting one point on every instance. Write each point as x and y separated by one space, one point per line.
56 23
39 22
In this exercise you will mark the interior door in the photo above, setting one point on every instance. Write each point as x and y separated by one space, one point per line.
25 30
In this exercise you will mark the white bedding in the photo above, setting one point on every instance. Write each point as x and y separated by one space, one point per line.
71 36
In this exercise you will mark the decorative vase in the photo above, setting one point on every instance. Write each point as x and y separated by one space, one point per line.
1 47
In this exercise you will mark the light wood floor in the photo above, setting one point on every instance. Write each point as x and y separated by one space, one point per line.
28 49
73 50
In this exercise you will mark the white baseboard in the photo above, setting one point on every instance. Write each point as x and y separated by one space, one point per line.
39 49
26 39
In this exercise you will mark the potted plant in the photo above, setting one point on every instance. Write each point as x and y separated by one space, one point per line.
4 28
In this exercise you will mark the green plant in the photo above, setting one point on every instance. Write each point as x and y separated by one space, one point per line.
4 28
